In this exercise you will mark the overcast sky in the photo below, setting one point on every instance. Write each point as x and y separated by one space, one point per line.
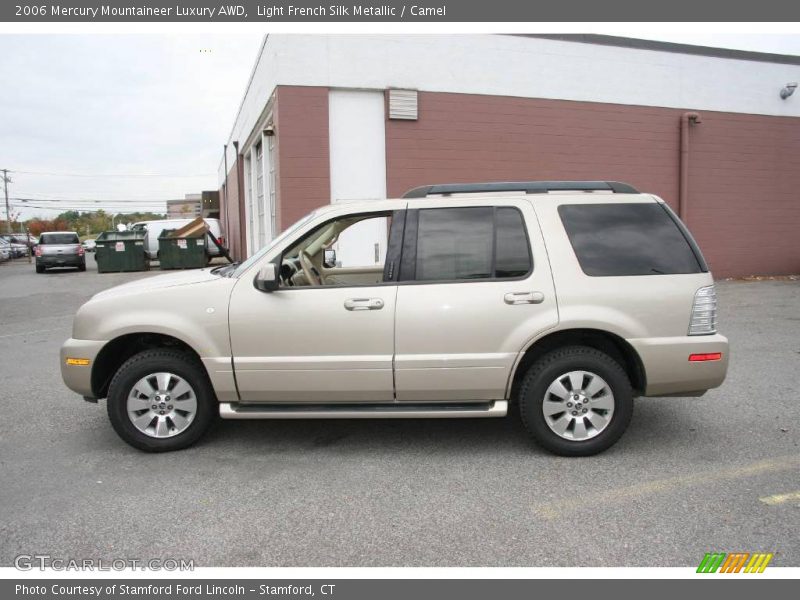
144 117
118 105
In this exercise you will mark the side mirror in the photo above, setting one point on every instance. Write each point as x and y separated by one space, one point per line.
330 258
267 279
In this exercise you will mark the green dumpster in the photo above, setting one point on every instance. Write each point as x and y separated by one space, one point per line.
120 251
182 252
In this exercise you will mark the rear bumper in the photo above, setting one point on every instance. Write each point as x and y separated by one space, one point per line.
60 260
78 378
668 369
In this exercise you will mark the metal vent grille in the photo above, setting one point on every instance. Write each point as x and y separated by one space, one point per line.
403 104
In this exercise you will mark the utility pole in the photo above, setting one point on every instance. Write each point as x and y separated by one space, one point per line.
6 181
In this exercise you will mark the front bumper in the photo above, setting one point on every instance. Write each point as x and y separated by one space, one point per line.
78 377
669 371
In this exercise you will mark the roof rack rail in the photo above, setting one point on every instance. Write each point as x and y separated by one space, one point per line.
528 187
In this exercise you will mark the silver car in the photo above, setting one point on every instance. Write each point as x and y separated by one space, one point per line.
561 300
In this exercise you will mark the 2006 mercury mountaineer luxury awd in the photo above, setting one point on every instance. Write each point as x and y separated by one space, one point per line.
563 299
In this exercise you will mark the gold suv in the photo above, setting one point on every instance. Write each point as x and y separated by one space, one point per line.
565 300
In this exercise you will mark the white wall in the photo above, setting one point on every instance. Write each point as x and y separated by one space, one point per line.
358 168
516 66
357 144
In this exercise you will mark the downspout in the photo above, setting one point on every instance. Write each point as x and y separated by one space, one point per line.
687 118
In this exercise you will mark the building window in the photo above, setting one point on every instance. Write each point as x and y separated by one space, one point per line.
273 221
262 239
248 200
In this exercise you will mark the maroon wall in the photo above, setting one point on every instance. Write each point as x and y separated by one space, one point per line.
744 178
743 172
303 153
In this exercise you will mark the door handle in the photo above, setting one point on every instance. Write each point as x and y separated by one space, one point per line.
524 298
363 304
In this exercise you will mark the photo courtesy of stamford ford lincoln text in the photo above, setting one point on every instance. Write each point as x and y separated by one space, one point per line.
433 299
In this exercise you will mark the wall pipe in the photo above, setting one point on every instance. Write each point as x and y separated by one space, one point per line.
687 118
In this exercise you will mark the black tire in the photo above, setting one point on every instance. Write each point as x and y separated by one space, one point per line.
550 367
82 267
39 269
153 361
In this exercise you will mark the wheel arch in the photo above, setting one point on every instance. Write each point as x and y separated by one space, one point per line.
604 341
120 349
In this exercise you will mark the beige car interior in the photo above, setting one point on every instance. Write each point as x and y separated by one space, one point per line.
304 264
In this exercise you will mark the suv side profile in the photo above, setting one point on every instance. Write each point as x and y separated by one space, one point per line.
564 300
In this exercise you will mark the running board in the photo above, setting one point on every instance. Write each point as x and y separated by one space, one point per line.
497 408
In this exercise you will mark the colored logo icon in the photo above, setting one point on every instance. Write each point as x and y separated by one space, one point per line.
738 562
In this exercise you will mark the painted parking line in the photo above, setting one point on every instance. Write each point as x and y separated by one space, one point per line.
557 509
776 499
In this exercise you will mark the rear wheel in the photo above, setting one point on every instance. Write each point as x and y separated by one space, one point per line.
39 269
82 266
576 401
161 400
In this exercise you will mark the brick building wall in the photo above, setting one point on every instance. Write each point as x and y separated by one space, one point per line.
303 153
743 175
744 170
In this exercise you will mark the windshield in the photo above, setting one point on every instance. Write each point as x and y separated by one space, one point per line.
59 238
257 256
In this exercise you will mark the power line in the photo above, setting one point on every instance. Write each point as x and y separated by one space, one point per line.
86 201
78 209
115 175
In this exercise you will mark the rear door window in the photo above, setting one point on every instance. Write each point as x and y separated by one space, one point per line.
466 243
629 239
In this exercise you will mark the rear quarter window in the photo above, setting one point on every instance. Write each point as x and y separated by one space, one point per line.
629 239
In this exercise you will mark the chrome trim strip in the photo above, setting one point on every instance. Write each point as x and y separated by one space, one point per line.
497 408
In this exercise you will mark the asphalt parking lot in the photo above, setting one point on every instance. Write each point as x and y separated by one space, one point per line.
690 475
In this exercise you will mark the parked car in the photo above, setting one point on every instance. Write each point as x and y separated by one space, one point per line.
89 245
565 300
59 249
155 228
5 250
18 244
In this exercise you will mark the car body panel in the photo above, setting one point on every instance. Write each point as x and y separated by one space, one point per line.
458 341
189 306
634 308
303 345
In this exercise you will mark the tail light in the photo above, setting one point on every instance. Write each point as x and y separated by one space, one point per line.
705 357
704 312
37 250
80 251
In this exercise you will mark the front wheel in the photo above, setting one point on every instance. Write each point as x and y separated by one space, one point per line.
161 400
576 401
